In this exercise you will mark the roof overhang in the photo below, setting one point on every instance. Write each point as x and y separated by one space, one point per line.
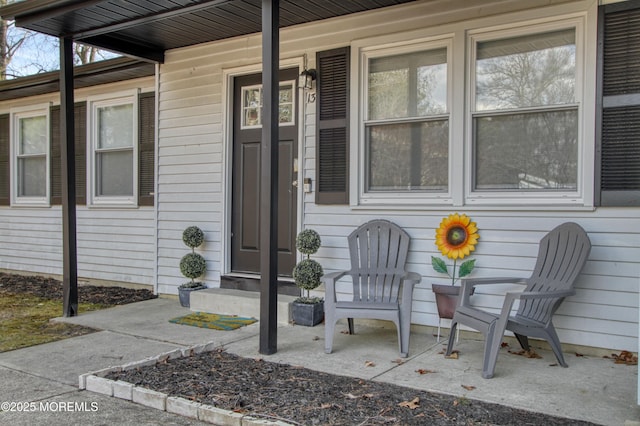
96 73
146 29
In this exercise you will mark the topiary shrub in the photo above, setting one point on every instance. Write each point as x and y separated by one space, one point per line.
193 265
193 237
308 272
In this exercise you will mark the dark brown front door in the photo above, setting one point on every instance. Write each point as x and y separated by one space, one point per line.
247 132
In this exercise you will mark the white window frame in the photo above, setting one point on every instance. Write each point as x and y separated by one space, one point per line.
18 114
406 197
550 197
94 104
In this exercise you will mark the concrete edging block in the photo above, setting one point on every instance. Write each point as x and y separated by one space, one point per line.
218 416
149 398
255 421
99 385
182 407
123 390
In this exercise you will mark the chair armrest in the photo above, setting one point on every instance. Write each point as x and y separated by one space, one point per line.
545 295
329 281
469 283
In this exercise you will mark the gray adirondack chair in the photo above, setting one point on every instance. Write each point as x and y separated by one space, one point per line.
382 288
561 255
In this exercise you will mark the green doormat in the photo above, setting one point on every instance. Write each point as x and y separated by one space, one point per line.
213 321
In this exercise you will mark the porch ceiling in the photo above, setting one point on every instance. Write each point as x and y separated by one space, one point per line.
145 29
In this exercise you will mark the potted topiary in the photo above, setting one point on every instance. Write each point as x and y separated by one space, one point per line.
192 265
307 310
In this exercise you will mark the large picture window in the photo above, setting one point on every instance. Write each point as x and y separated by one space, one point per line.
113 159
407 124
30 171
525 122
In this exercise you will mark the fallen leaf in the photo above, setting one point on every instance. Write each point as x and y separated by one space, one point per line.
345 332
579 355
504 345
324 406
350 396
413 404
369 364
454 355
625 357
527 354
468 387
316 338
398 361
423 371
555 364
455 403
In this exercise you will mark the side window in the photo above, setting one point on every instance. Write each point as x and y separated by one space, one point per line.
113 148
525 113
30 156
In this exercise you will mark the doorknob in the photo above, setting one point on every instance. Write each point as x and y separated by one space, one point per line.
294 183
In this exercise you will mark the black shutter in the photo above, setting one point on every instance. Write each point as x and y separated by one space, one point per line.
332 127
80 130
146 148
618 121
5 140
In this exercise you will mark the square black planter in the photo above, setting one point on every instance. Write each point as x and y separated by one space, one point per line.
184 294
307 314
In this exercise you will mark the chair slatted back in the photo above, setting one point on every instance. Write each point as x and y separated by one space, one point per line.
562 254
378 251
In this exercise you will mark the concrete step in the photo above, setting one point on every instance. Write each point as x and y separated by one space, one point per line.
237 302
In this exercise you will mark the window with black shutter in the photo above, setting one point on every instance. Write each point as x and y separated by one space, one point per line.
332 127
5 136
618 121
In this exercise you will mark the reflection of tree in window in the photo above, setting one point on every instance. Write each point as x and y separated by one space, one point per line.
526 123
407 129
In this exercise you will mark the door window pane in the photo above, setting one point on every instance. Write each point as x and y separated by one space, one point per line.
253 99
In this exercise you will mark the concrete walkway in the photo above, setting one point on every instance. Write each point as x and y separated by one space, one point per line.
591 389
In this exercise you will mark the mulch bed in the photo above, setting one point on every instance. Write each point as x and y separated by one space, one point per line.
289 393
301 396
50 288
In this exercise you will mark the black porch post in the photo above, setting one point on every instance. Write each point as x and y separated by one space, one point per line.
67 149
269 179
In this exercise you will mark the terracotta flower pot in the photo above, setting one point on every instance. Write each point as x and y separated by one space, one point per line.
446 299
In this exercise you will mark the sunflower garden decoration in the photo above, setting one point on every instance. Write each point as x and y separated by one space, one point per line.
456 238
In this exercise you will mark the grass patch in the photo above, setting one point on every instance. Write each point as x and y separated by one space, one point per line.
24 321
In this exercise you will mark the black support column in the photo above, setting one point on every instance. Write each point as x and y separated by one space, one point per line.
67 149
269 179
